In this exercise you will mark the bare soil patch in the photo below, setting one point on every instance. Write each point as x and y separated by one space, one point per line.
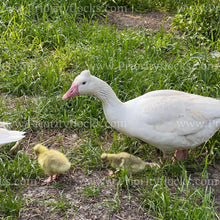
151 20
79 205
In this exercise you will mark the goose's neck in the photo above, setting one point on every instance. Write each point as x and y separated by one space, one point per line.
106 94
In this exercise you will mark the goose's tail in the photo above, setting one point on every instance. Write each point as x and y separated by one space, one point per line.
8 136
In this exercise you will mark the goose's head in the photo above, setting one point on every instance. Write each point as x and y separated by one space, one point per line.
83 84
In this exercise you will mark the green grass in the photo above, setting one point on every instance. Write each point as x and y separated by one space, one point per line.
61 204
16 172
167 204
92 191
10 203
41 51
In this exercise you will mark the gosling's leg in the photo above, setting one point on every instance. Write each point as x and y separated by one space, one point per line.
51 178
152 164
54 176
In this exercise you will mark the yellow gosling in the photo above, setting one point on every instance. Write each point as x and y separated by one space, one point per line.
52 162
127 161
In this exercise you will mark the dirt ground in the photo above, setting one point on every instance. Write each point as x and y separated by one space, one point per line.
152 20
42 199
69 188
81 206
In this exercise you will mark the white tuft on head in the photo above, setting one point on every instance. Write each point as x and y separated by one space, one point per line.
85 73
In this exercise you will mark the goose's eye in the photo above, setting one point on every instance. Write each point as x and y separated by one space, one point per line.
84 83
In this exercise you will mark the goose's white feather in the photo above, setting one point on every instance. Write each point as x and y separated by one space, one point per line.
8 136
168 119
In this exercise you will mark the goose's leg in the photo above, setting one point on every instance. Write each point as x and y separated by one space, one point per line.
180 154
168 157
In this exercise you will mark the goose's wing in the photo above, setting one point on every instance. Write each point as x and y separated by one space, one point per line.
165 92
8 136
181 114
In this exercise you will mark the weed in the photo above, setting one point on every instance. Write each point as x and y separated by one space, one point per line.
61 203
92 191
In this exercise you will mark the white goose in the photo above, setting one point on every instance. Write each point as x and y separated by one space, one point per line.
8 136
167 119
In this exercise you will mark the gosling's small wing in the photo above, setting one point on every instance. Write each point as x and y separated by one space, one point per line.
55 162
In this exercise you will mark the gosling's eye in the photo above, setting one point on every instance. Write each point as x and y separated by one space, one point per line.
83 83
